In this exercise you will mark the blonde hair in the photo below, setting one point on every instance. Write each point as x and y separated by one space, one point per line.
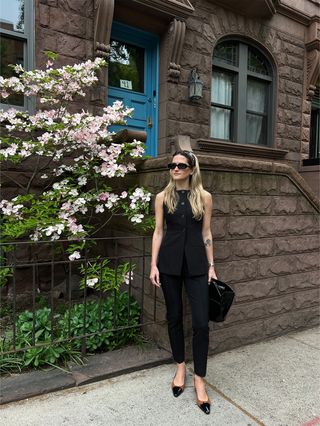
196 189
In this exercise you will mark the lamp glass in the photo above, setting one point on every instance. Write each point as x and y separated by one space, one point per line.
195 86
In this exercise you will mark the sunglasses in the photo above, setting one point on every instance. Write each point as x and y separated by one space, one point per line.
181 166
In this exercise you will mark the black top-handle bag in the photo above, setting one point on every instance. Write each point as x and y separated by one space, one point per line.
221 297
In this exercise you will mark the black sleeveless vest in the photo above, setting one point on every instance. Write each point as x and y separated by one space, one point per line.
183 241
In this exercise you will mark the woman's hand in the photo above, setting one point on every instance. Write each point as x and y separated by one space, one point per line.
155 276
212 274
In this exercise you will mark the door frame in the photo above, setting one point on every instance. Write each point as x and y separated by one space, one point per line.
150 42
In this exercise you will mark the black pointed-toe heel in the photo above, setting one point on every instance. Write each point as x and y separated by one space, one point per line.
204 405
177 390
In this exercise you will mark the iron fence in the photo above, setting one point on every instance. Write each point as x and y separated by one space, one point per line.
41 279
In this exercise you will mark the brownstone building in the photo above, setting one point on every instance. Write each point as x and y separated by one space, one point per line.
238 83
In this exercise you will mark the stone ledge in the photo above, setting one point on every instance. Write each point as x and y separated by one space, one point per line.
212 145
241 165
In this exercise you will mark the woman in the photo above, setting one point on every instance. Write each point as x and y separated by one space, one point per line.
185 255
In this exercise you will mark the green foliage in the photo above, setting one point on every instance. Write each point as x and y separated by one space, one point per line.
5 273
100 276
51 55
103 318
37 330
9 363
99 320
38 209
148 223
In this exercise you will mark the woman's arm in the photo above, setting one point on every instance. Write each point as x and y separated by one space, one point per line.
207 235
156 240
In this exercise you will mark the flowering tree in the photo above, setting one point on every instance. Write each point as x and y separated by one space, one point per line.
75 158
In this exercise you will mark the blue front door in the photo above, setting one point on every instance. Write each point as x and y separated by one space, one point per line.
132 76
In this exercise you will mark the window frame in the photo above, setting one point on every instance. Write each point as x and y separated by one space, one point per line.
28 50
314 156
241 72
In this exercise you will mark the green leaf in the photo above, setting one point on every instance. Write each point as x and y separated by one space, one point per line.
51 55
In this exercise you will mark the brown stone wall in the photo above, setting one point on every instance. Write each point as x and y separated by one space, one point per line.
65 27
266 240
305 133
205 28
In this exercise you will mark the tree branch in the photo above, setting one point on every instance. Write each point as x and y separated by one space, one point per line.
13 180
33 176
103 225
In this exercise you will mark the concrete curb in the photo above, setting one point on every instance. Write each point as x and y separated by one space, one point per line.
98 367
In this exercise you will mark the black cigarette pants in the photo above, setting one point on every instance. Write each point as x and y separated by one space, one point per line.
198 295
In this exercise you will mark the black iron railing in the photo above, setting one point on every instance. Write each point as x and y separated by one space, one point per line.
47 300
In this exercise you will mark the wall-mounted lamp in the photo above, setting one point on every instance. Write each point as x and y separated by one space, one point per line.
195 86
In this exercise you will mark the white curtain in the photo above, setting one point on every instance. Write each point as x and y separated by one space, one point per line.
221 88
221 93
256 102
220 123
254 129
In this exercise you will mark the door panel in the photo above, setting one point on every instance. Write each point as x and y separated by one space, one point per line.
132 74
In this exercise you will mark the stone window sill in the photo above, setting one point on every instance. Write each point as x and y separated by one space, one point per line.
243 150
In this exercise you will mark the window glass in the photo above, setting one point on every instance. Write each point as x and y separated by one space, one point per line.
11 51
221 95
227 52
256 129
256 103
256 96
221 123
256 62
12 15
126 66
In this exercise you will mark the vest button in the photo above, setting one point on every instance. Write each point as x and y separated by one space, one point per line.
182 215
182 203
182 192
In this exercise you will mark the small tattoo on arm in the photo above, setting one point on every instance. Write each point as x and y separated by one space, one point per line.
207 243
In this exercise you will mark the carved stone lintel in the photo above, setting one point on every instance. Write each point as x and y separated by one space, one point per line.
102 50
178 30
102 28
172 8
311 91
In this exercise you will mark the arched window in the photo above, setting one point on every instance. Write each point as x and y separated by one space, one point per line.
241 94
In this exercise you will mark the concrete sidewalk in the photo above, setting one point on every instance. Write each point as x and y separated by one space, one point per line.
270 383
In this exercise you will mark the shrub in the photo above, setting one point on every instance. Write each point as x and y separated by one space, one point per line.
102 318
58 335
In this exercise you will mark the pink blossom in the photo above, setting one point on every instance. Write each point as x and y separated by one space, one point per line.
103 196
60 136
